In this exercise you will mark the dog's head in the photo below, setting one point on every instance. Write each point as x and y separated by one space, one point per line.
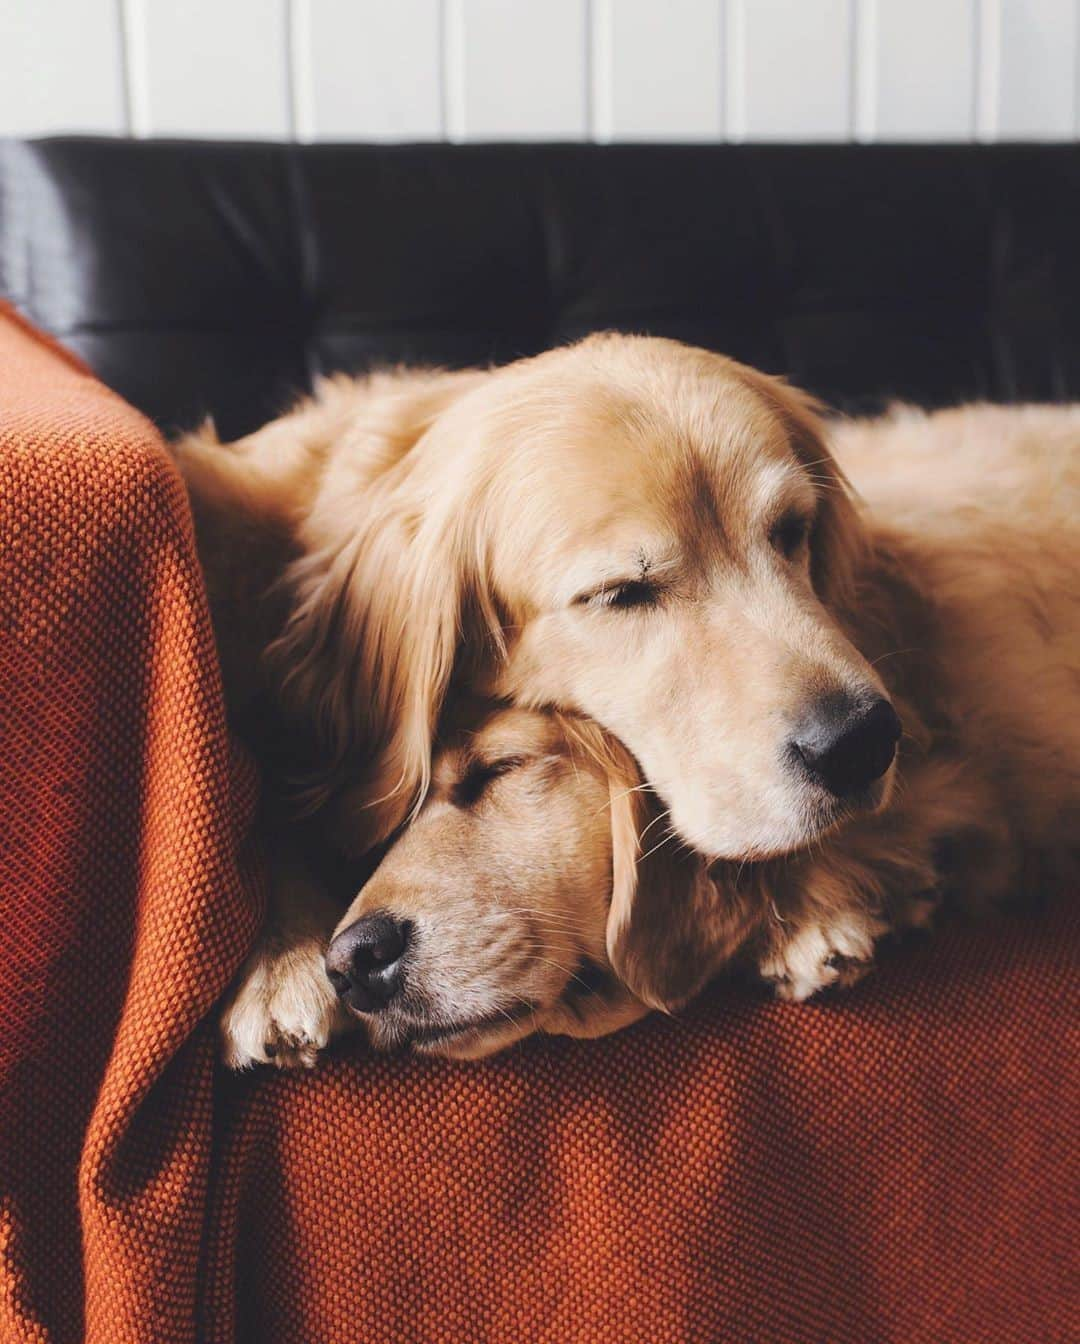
632 530
486 920
537 889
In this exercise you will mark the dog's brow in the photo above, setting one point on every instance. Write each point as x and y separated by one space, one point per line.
783 484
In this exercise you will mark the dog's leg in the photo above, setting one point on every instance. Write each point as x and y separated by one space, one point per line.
807 955
887 873
826 918
283 1009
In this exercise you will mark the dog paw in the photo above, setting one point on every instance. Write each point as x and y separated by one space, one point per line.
821 954
284 1010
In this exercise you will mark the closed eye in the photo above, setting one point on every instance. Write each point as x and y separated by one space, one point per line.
480 774
621 596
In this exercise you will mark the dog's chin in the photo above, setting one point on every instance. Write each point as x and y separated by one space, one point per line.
826 815
817 816
475 1040
448 1037
796 815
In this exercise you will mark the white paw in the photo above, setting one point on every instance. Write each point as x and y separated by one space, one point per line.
812 956
284 1010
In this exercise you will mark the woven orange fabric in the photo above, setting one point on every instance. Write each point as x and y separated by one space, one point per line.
894 1165
125 911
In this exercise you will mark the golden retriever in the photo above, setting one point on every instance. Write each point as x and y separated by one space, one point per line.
659 539
628 529
486 920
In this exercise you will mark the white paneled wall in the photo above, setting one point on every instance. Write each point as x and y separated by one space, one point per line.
210 67
792 75
657 70
916 62
543 69
1037 86
61 65
376 66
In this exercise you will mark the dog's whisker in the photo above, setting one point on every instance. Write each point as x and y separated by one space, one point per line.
666 813
908 737
637 788
566 970
554 924
535 951
672 835
895 653
572 933
511 1020
817 462
573 763
532 912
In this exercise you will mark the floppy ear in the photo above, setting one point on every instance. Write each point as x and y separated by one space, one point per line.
378 609
671 926
839 536
366 661
340 675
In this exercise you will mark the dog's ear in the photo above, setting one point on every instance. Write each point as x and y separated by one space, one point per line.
337 669
672 925
839 537
367 659
379 603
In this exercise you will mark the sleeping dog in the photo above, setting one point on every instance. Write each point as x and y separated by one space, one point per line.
658 546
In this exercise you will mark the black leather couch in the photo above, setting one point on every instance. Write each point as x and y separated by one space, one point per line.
212 278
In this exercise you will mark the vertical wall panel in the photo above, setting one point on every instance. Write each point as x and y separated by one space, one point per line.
789 69
922 80
987 68
60 67
216 67
657 69
375 69
518 69
1037 90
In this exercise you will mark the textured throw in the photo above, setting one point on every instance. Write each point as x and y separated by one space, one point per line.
897 1164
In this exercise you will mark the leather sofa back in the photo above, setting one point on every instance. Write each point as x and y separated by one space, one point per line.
219 278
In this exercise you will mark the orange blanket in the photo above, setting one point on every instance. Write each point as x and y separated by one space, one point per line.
895 1165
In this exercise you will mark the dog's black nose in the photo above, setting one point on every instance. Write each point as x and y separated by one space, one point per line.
845 744
364 962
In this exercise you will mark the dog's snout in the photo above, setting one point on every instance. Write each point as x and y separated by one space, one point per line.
365 962
846 743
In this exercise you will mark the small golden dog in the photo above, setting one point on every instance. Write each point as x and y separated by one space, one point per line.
660 541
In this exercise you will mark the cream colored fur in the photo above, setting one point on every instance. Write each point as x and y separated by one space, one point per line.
441 531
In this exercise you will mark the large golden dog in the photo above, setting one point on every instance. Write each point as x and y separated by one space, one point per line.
662 545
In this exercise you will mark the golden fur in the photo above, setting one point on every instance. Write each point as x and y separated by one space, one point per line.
482 519
446 531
